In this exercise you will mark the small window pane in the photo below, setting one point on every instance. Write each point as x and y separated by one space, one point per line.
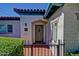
2 28
9 28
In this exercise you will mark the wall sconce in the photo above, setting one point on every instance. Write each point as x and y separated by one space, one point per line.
77 14
25 24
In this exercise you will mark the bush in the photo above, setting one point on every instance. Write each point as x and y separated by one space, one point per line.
72 54
11 46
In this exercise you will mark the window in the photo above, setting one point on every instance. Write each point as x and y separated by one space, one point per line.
55 31
6 28
2 28
9 28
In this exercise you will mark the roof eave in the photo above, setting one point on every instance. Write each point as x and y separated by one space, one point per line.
30 11
50 6
9 18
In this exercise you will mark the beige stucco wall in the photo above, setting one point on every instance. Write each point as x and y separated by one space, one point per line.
27 35
71 27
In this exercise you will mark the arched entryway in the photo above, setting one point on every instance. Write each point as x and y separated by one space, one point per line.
38 31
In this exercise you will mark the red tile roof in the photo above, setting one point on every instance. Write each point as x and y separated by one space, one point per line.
9 18
30 11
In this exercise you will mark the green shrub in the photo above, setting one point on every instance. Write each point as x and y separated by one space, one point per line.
11 46
71 54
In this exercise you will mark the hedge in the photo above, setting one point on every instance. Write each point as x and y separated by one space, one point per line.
71 54
11 46
76 53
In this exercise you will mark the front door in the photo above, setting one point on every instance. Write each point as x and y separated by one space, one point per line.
38 33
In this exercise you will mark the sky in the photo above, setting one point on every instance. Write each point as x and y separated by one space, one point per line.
6 9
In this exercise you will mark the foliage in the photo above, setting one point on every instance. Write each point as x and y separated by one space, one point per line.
72 54
11 46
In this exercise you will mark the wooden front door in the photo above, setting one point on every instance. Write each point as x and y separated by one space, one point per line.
38 33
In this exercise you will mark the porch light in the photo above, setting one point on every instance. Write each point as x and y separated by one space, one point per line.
77 14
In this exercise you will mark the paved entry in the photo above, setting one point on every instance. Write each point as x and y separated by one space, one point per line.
37 50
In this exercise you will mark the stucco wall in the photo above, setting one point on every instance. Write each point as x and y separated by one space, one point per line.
16 28
27 35
57 17
68 26
71 27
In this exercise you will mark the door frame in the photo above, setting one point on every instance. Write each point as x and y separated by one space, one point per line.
41 40
33 31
